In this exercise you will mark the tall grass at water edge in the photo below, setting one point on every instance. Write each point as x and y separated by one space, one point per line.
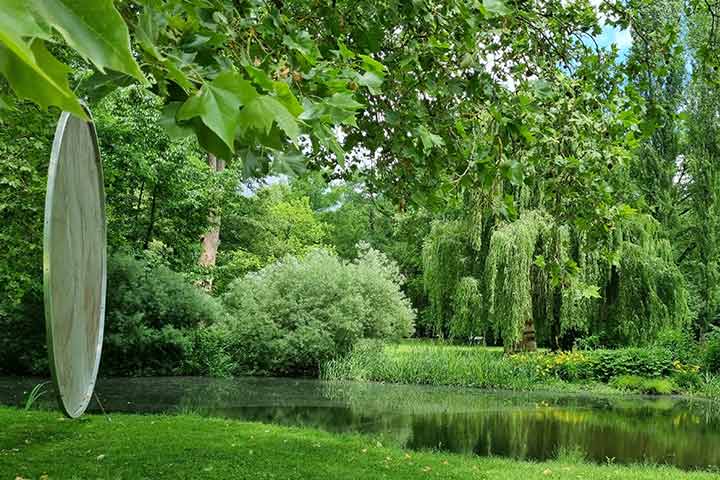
599 371
432 364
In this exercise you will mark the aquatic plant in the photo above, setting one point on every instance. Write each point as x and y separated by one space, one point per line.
35 394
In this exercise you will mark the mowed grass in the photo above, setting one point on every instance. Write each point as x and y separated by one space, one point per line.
44 445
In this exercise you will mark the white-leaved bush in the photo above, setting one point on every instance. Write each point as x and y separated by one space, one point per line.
297 313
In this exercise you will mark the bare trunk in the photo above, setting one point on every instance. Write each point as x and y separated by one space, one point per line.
528 343
211 240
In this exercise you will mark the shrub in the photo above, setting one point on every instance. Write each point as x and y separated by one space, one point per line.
712 351
231 265
151 317
209 354
573 366
22 342
388 313
649 386
647 362
687 379
293 315
602 365
681 343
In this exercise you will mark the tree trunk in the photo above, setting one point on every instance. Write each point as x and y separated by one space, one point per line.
528 343
211 240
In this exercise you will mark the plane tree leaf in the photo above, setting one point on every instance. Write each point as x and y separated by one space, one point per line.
263 111
286 97
218 105
42 80
95 29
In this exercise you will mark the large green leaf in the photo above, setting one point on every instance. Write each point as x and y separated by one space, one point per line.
429 140
18 28
260 77
291 164
95 29
210 142
496 7
218 105
286 97
261 112
147 31
170 125
43 80
101 84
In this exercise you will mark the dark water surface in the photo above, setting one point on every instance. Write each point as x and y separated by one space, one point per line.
534 426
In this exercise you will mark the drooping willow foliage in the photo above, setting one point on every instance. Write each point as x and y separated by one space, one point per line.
566 303
579 312
507 278
539 278
467 321
648 291
446 259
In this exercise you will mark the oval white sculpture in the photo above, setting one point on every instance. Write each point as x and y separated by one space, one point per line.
74 261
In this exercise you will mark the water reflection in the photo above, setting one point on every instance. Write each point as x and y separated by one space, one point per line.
520 425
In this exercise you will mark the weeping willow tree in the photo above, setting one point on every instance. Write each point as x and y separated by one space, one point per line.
508 281
447 258
566 277
646 292
543 281
467 321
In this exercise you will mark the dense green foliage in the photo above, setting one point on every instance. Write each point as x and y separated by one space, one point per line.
158 189
528 186
295 314
466 323
153 314
25 153
712 352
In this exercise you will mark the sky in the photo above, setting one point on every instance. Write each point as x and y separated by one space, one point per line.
610 35
621 38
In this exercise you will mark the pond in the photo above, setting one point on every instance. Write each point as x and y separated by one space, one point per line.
533 426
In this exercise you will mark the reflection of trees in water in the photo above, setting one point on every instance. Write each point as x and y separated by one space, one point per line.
539 433
530 426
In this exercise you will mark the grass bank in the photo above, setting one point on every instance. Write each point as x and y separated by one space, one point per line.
638 370
43 445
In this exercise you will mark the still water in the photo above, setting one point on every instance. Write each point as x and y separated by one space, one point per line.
520 425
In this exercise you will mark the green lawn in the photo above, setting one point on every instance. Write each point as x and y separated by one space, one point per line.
44 445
